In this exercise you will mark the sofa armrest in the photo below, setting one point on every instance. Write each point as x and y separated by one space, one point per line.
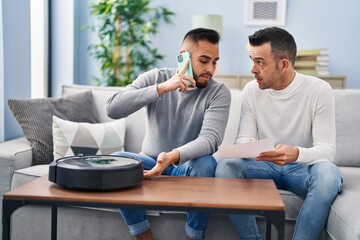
14 154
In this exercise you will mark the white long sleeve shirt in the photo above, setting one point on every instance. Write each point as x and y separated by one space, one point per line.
302 115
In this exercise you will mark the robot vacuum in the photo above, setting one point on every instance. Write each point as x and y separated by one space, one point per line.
96 173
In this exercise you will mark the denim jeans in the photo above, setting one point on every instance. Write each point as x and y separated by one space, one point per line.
317 184
196 221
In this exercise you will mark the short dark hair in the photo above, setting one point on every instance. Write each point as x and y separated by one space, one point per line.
198 34
282 43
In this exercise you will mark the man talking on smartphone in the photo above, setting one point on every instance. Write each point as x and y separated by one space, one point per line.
186 121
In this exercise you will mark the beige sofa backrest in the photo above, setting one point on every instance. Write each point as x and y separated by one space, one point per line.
347 103
347 116
135 123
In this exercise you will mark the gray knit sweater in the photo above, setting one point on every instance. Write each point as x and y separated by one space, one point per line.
193 122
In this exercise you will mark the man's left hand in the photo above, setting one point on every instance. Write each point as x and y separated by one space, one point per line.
281 155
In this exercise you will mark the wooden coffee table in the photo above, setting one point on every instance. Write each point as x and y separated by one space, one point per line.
247 196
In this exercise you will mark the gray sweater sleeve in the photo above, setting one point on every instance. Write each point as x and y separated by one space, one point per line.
134 96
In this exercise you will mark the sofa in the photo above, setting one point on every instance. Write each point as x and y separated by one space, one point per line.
33 222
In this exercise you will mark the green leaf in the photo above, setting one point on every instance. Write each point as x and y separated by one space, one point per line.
131 38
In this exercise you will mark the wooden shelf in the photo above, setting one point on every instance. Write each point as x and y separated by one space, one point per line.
239 81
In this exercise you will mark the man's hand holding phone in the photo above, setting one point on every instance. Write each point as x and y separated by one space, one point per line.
185 75
182 80
182 59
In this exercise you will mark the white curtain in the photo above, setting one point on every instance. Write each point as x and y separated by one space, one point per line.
1 78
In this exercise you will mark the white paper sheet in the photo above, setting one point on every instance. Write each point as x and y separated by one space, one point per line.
247 150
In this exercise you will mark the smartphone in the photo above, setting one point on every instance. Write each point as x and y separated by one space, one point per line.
181 60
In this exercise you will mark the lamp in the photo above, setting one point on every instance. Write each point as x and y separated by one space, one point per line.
210 21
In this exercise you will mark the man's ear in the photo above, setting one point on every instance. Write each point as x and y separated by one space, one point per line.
284 64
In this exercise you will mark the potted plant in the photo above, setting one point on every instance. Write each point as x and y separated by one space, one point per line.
124 28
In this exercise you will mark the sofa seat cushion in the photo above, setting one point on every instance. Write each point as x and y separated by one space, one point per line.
292 203
28 174
344 221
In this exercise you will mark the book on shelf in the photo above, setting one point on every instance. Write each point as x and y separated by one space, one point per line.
312 61
299 63
312 52
318 68
313 72
320 58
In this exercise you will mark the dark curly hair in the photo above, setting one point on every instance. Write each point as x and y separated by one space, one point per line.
199 34
282 43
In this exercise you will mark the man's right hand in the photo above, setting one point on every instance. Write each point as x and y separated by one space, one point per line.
178 81
281 155
163 160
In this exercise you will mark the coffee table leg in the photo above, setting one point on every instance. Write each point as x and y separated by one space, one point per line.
9 207
268 229
53 222
280 226
278 219
6 221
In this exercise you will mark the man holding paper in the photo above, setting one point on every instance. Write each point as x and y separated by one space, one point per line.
299 111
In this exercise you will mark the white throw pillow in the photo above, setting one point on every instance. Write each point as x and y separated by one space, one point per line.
73 138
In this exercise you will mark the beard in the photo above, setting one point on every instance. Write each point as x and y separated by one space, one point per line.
200 85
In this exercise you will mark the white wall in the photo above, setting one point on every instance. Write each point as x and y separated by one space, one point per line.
16 57
314 24
331 24
322 23
62 43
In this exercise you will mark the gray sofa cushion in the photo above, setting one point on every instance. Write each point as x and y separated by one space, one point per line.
35 119
347 110
28 174
344 221
100 96
234 117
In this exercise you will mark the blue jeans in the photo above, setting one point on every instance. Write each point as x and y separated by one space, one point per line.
317 184
196 221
